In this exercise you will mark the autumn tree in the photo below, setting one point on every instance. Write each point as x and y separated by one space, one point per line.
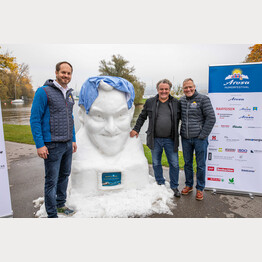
14 78
177 91
255 54
118 66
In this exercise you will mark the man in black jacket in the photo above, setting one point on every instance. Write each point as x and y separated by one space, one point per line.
164 114
198 118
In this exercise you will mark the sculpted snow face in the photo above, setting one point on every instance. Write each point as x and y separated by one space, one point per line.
108 121
105 147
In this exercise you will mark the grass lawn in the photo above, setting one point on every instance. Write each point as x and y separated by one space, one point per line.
22 134
164 159
18 133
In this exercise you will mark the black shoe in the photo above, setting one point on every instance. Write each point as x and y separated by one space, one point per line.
160 184
176 192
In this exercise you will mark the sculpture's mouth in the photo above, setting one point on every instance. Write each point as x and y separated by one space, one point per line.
110 135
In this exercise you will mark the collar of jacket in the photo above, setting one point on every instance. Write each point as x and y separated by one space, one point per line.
50 82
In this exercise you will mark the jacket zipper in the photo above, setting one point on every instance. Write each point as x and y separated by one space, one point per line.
187 122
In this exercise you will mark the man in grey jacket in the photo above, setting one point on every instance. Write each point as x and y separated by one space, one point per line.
198 119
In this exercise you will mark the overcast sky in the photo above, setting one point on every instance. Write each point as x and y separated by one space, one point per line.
151 61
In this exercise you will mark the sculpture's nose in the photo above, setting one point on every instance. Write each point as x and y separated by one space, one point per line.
110 126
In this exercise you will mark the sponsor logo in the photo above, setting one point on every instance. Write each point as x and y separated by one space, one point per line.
70 99
224 169
231 139
2 166
255 151
223 116
242 150
230 150
225 126
231 181
236 126
237 74
236 99
210 168
245 109
237 80
215 179
254 127
248 117
241 158
193 105
255 108
220 149
248 170
253 139
209 156
214 138
212 149
224 157
225 108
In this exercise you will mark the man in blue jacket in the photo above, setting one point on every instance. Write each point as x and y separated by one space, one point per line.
52 126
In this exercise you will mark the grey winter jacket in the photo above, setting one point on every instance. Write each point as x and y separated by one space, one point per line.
198 116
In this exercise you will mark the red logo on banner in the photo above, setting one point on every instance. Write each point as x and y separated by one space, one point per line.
210 168
214 179
223 169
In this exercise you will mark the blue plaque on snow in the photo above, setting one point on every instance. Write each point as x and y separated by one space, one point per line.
111 179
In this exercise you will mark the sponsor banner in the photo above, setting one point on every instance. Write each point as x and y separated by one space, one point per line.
5 200
235 144
243 78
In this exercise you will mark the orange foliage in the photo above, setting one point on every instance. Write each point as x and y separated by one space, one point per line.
255 54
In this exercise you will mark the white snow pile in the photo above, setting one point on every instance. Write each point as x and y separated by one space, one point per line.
152 199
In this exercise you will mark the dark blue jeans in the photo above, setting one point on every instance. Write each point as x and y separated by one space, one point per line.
57 171
200 148
172 158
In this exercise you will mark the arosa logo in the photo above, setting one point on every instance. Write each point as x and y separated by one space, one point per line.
237 78
248 117
236 99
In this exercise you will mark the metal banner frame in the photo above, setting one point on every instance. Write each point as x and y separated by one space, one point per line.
5 198
235 143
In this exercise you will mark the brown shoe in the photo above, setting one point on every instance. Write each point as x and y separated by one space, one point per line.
186 190
199 195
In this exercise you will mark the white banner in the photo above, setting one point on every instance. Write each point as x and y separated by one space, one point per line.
235 144
5 200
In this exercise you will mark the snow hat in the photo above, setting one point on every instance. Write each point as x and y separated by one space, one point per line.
89 90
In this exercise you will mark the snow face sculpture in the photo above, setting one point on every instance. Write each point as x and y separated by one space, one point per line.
107 158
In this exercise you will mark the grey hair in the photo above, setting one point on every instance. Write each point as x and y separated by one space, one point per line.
188 79
164 81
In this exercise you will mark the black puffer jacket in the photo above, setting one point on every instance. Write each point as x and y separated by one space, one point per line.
150 111
198 116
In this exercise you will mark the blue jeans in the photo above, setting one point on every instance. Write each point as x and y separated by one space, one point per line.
57 171
200 148
172 158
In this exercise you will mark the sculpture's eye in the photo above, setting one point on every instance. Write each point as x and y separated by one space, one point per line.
98 117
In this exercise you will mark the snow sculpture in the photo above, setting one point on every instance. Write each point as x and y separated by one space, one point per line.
107 158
